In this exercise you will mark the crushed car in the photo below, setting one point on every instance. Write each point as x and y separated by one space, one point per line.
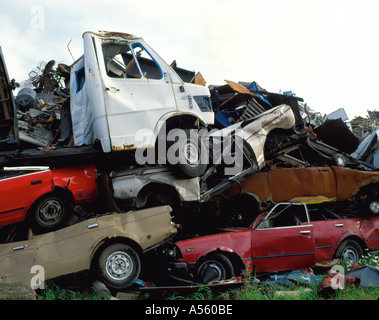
288 237
110 246
44 197
143 186
356 188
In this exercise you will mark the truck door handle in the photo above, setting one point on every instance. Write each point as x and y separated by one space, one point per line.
112 89
338 225
305 231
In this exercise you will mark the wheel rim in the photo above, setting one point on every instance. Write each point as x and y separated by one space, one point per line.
350 255
374 207
191 154
50 212
216 268
119 265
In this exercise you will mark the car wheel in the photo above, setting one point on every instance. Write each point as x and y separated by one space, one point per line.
119 266
49 212
188 153
216 267
349 251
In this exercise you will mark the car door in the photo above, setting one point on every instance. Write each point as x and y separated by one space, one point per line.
328 229
138 92
318 182
283 240
19 191
17 260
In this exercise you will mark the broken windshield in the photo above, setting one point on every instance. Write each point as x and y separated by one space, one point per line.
123 61
119 61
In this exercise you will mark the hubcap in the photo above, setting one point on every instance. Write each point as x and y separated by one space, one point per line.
374 207
119 265
214 270
50 212
190 153
350 255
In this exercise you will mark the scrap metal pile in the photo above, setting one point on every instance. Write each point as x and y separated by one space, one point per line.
290 154
39 104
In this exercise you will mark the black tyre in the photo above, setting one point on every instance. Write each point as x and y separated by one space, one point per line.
349 251
119 266
49 212
216 267
188 153
161 198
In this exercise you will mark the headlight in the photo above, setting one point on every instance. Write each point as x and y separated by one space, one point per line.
172 251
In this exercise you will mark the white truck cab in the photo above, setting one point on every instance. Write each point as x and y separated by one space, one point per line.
125 95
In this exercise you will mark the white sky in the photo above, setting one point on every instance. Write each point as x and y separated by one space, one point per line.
326 52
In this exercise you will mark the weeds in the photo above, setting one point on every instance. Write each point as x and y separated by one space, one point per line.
250 290
53 292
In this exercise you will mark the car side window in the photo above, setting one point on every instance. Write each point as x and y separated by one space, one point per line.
322 214
285 215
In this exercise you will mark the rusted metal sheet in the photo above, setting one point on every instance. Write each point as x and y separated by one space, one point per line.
308 184
199 79
239 88
350 181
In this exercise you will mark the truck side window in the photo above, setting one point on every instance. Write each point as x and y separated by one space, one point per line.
147 64
80 77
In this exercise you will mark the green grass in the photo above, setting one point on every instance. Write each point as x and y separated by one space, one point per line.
251 290
53 292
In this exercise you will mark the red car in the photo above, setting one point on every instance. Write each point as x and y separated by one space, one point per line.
289 237
42 196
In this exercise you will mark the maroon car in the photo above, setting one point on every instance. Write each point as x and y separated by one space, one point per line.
289 237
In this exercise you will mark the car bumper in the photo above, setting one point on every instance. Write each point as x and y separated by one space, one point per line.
177 269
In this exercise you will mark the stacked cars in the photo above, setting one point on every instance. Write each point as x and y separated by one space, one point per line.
103 200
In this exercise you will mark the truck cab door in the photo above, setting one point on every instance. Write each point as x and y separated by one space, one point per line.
137 91
283 240
9 139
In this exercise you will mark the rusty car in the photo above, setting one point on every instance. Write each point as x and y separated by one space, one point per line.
288 237
352 187
109 246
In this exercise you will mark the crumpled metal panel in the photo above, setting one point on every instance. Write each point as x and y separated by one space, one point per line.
127 183
336 134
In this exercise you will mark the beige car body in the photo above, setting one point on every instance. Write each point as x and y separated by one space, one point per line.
72 249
